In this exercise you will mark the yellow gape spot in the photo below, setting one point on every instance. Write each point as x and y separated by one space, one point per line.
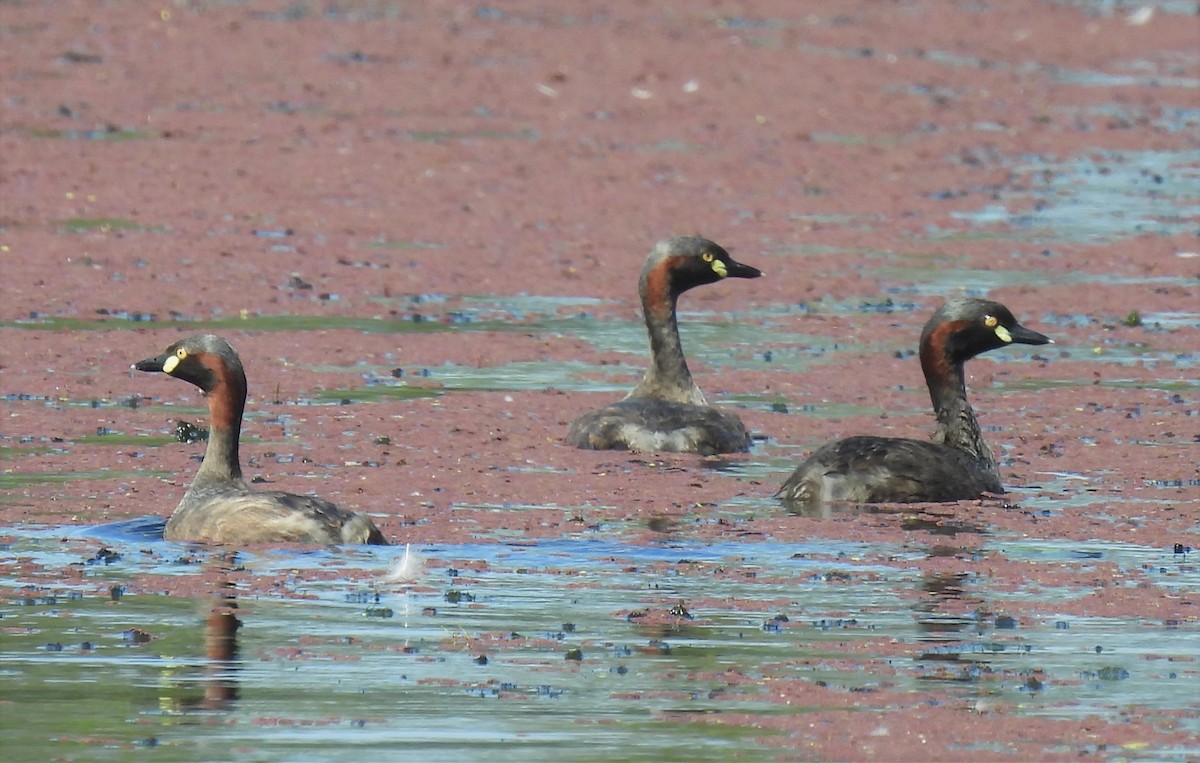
990 321
1003 334
719 268
172 362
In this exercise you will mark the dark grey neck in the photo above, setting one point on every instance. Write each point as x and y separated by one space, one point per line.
956 425
667 377
221 462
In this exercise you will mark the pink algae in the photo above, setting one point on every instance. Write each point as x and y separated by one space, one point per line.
397 171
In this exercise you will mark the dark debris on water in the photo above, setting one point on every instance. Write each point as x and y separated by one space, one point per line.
187 433
104 556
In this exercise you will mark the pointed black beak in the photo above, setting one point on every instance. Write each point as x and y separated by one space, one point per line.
738 270
1022 335
153 365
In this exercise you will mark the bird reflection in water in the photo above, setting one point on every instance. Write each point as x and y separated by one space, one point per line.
221 655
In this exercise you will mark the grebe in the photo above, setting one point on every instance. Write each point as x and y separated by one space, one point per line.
957 464
667 411
219 507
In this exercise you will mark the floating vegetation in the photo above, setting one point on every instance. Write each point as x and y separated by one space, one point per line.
389 325
13 480
441 136
383 243
349 395
106 133
102 225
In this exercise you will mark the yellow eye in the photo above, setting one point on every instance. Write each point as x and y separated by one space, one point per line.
990 321
172 362
707 256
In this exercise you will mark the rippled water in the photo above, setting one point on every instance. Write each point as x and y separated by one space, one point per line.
1104 196
564 649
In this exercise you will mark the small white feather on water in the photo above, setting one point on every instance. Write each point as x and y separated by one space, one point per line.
1141 16
406 569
